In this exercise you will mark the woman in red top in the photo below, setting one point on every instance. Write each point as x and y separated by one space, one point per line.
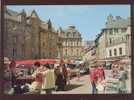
101 73
93 78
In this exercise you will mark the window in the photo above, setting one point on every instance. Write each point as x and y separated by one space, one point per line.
14 53
72 51
110 32
127 37
43 44
67 43
43 54
66 51
122 38
23 50
110 41
115 52
71 43
105 31
77 52
115 30
49 53
67 34
110 53
77 43
120 51
14 40
123 30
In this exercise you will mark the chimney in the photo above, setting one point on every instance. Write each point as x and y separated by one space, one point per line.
109 19
118 18
72 27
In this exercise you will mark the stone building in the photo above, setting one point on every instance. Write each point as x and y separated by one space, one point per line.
49 40
26 36
71 43
90 53
114 41
100 46
118 37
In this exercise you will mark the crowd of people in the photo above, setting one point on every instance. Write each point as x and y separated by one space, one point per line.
45 78
97 76
99 82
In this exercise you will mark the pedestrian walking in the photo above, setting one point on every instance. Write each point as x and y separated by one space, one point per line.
93 79
100 79
101 72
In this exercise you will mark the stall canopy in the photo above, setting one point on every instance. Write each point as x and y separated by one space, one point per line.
42 61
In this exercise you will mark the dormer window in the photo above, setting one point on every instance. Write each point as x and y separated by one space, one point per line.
115 30
110 32
123 30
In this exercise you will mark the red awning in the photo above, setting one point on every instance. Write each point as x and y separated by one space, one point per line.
42 61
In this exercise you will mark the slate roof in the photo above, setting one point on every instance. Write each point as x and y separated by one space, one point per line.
120 23
12 15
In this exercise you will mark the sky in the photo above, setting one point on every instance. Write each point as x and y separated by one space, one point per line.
88 19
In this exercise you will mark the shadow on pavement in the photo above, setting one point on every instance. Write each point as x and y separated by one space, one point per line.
72 86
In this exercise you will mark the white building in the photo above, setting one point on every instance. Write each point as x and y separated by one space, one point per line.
118 37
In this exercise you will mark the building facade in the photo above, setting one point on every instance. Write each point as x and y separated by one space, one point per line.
101 46
90 53
28 37
114 41
71 42
118 37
